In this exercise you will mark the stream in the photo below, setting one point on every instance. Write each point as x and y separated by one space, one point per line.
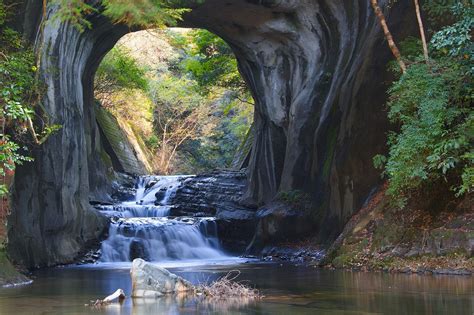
189 246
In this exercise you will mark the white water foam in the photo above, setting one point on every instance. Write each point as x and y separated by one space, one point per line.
141 229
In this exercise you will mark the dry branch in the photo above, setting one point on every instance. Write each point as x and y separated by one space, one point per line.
227 288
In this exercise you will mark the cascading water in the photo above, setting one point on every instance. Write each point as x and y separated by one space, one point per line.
142 228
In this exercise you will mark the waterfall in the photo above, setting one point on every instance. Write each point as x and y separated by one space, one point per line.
160 239
143 228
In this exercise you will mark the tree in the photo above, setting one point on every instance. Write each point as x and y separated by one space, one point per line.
18 92
198 124
432 103
422 30
211 62
388 35
180 115
208 61
118 71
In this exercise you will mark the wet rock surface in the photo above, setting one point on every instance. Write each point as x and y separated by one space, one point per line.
9 275
296 254
123 187
219 194
278 223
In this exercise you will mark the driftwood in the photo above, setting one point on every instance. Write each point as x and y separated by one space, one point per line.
117 295
227 288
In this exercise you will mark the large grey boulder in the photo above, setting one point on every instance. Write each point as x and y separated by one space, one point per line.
149 280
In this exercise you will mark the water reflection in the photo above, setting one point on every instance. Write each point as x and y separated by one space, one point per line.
287 290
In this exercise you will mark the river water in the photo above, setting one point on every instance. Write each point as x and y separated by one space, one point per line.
189 246
287 289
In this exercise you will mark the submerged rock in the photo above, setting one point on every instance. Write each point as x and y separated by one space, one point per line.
149 280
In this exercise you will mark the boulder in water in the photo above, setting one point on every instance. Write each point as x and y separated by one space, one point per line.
149 280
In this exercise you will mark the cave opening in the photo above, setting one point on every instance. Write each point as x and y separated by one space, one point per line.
172 101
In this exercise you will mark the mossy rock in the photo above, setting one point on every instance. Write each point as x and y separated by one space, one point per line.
120 150
8 274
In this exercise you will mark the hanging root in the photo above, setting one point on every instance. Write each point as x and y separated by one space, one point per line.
227 288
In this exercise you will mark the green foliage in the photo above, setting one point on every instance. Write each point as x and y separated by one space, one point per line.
144 13
439 11
432 104
17 89
171 89
75 12
206 75
9 157
211 62
139 13
436 129
456 40
198 121
119 70
181 116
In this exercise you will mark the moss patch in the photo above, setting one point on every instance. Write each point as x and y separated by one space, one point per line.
8 274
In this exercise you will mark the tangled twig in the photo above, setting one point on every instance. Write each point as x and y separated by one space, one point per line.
227 288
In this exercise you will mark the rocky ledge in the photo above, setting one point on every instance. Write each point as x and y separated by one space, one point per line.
218 194
408 240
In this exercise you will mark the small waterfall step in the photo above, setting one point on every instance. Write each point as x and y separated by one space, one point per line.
161 239
157 189
133 210
142 227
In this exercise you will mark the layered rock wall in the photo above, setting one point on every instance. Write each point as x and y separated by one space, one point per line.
51 218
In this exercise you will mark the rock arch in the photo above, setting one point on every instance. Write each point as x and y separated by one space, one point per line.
316 68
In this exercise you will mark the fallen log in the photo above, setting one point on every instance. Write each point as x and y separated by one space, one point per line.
117 295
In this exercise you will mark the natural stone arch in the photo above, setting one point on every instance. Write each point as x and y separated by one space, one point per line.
308 64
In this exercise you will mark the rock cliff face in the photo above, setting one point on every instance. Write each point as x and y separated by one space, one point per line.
51 218
317 71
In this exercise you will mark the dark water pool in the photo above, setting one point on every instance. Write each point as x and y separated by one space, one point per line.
287 290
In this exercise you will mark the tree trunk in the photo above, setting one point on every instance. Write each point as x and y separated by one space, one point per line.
422 30
388 35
